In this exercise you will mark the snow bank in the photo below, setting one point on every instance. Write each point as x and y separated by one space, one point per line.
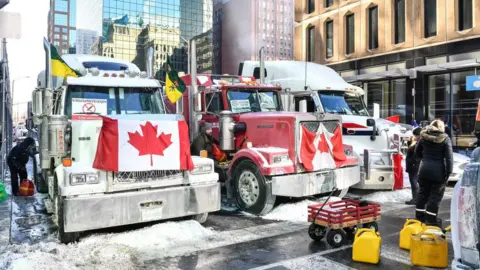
294 212
397 196
107 251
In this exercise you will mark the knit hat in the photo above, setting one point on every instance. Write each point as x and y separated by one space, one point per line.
206 127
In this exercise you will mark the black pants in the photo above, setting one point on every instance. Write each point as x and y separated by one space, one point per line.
413 177
14 174
429 197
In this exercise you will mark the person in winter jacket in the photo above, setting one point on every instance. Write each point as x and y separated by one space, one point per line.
17 161
204 141
435 151
412 165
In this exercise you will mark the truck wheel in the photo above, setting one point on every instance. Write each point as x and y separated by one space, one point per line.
252 192
40 183
200 218
64 237
371 225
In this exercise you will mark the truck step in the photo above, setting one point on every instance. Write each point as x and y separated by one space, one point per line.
48 205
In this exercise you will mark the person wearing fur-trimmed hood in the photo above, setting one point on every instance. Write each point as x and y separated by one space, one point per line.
435 151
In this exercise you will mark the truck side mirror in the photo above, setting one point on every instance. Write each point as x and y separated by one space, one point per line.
371 123
303 106
37 106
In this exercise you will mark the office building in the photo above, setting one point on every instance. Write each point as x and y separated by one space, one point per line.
410 56
243 27
62 25
127 28
85 40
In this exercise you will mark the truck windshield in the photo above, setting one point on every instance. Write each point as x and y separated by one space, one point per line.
112 100
252 100
339 102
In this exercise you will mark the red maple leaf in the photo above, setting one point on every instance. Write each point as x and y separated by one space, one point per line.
149 143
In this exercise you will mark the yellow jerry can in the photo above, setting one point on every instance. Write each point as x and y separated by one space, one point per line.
429 248
366 246
411 227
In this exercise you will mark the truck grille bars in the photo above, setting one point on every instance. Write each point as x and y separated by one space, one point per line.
147 176
312 126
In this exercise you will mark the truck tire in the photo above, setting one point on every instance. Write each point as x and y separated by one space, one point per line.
200 218
64 237
252 192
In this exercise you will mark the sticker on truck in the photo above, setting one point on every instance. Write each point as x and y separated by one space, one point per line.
240 105
88 108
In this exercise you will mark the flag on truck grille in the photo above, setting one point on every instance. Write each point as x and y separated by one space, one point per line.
136 145
59 67
322 149
174 86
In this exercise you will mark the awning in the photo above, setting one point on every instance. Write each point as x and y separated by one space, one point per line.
450 65
389 74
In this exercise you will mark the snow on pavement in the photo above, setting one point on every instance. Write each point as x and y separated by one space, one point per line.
396 196
294 212
108 251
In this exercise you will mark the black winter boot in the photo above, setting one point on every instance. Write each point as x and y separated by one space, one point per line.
420 216
432 220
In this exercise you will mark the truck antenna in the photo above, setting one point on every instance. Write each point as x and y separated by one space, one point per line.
262 66
306 87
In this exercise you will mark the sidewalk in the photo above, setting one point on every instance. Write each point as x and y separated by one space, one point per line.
5 218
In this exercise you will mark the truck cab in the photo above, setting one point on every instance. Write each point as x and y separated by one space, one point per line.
263 143
82 198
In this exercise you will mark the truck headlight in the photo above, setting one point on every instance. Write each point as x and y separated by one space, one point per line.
280 158
80 179
202 169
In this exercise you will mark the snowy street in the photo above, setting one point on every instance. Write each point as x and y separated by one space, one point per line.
228 240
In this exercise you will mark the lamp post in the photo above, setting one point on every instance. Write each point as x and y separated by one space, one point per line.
13 92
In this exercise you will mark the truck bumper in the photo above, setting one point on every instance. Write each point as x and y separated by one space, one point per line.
110 210
457 265
308 184
379 180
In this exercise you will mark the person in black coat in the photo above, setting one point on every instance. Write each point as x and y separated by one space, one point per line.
17 161
435 151
204 141
412 165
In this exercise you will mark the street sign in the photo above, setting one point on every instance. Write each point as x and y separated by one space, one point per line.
473 83
10 25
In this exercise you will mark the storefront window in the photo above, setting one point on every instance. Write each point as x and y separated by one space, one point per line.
438 96
377 92
398 99
464 110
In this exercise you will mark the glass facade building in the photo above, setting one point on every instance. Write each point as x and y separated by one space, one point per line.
61 25
128 28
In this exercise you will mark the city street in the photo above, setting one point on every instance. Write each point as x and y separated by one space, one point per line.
228 240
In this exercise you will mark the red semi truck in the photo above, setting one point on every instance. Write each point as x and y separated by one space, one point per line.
267 148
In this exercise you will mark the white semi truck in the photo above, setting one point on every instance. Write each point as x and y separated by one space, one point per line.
83 198
319 89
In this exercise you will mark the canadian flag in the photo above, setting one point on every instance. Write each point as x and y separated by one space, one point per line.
321 150
137 145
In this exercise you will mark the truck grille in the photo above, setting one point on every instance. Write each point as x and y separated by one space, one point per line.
312 126
146 176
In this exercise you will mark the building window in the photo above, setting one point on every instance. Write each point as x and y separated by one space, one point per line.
61 5
399 21
373 28
430 17
61 19
465 14
328 3
311 43
350 35
329 38
310 6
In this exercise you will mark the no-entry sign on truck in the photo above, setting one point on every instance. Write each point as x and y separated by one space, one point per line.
88 108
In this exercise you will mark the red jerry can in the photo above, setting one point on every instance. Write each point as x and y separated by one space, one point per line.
397 171
27 188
